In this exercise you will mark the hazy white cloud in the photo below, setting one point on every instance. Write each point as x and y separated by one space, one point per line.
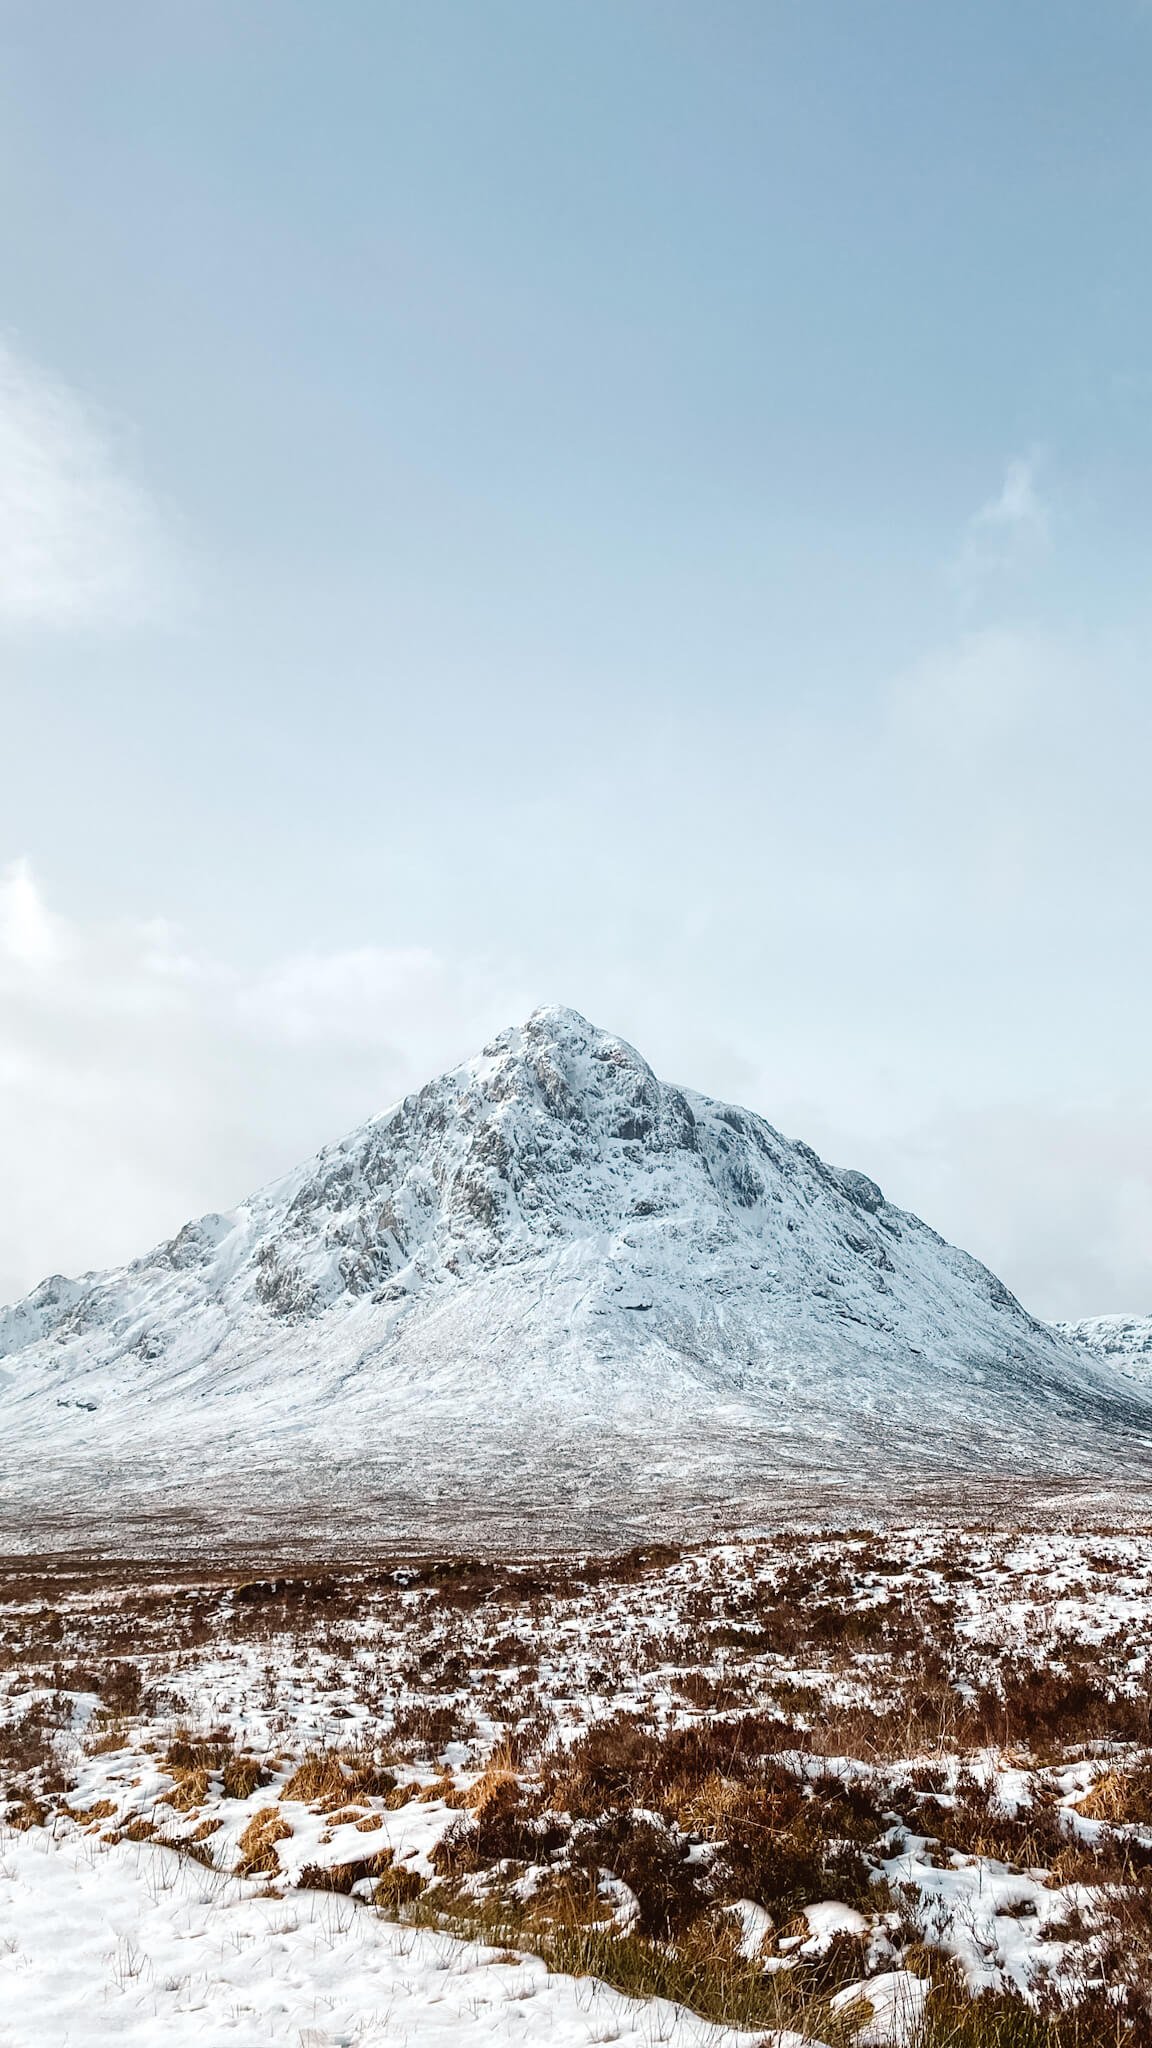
1007 534
327 998
81 544
1019 504
957 936
980 688
1055 1196
28 934
1061 1192
142 1083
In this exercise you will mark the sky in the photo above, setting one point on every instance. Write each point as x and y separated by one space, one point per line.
637 505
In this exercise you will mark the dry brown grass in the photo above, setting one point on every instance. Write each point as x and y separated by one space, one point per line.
846 1645
140 1829
187 1752
257 1845
100 1809
341 1877
105 1741
189 1791
396 1888
318 1781
330 1779
243 1775
498 1774
1120 1797
29 1813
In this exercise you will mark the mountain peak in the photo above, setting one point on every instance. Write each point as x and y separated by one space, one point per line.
561 1021
552 1248
557 1028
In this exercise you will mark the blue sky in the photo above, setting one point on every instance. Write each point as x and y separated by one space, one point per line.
640 505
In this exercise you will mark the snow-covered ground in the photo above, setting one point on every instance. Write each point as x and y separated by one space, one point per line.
134 1946
223 1796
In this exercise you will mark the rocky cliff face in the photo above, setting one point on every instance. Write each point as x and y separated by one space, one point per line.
543 1255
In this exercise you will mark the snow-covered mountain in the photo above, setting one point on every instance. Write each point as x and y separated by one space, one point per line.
549 1270
1124 1341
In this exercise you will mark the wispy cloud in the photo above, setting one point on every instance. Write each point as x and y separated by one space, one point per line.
81 544
1018 507
1007 533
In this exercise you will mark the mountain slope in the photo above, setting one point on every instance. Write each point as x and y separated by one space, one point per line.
549 1269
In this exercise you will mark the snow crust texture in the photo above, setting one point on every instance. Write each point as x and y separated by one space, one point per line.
549 1261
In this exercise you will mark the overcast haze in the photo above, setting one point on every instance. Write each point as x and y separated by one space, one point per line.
635 504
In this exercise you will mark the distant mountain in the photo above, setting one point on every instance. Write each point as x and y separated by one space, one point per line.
550 1274
1124 1341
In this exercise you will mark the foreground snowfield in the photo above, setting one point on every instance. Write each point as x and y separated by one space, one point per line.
895 1769
134 1944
